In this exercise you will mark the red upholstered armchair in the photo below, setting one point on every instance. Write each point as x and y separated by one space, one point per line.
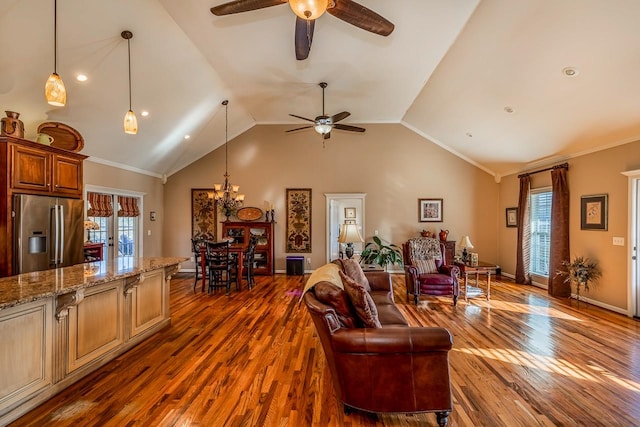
426 271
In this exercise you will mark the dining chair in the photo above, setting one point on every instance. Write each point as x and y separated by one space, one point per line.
196 245
248 260
222 266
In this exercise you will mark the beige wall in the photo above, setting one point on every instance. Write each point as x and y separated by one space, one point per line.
111 177
597 173
390 163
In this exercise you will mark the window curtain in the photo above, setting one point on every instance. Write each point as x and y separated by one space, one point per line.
99 205
128 206
559 239
523 253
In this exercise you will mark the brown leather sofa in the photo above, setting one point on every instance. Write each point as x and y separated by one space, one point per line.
395 368
442 282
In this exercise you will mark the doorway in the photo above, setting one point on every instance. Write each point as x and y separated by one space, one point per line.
340 207
634 239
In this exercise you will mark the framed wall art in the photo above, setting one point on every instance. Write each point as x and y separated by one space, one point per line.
593 212
512 217
204 217
350 213
430 210
298 234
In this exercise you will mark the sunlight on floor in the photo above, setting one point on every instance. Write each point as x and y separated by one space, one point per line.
550 364
521 308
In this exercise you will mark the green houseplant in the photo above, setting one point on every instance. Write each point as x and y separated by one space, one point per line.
379 253
580 272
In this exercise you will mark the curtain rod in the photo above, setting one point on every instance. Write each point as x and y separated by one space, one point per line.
562 166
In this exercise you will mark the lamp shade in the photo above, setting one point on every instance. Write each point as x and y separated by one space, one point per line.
322 128
130 123
349 233
308 9
91 225
465 243
55 91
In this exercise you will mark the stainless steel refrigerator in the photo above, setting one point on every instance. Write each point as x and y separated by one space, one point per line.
48 232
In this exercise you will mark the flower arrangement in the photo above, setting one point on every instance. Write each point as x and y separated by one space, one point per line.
581 271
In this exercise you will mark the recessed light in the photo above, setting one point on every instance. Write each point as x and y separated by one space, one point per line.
509 109
570 71
144 113
81 78
187 136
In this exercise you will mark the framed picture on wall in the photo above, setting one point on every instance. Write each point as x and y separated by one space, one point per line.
512 217
593 212
430 210
350 213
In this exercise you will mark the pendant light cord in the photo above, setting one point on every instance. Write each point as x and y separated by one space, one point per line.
129 50
55 36
226 136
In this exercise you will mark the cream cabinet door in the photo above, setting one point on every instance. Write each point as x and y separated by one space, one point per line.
26 350
149 299
95 324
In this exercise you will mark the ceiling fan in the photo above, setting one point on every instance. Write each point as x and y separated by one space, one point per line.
307 11
323 124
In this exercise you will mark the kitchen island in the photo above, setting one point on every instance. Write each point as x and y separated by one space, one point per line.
56 326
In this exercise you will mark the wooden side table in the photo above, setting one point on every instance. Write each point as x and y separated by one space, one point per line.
93 252
477 269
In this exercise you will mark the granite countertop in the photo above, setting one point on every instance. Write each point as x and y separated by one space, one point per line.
29 287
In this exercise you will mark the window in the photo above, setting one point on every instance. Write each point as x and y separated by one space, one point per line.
540 231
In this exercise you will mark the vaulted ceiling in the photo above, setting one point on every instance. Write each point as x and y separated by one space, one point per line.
484 79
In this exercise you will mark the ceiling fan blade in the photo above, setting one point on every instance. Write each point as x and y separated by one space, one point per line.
340 116
349 128
303 127
304 37
238 6
358 15
303 118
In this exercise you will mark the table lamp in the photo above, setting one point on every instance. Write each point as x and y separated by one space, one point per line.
349 234
465 243
90 225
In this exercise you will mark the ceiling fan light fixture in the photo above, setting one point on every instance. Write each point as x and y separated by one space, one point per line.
322 128
309 9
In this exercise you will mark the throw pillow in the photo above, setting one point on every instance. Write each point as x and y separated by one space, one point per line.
426 266
337 298
362 302
352 269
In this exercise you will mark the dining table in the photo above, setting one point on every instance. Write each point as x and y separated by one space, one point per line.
234 248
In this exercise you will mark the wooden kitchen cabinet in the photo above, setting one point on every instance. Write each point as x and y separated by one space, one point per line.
32 168
40 171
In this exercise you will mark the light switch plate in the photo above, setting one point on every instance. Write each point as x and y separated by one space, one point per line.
618 241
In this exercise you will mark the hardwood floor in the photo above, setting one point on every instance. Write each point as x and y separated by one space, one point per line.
252 359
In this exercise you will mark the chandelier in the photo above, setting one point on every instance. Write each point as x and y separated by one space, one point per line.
226 194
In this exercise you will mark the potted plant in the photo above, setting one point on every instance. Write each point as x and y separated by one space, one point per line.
580 272
377 252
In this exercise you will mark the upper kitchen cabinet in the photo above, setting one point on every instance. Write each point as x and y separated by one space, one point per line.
40 169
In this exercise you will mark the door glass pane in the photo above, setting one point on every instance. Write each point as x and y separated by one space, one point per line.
127 245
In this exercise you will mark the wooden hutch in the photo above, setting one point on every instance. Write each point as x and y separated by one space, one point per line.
241 231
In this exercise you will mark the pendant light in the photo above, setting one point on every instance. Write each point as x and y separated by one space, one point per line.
54 90
226 194
130 120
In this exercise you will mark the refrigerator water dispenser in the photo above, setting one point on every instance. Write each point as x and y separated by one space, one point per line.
37 244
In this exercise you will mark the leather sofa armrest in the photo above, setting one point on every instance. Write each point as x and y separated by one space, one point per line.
450 270
379 280
392 340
